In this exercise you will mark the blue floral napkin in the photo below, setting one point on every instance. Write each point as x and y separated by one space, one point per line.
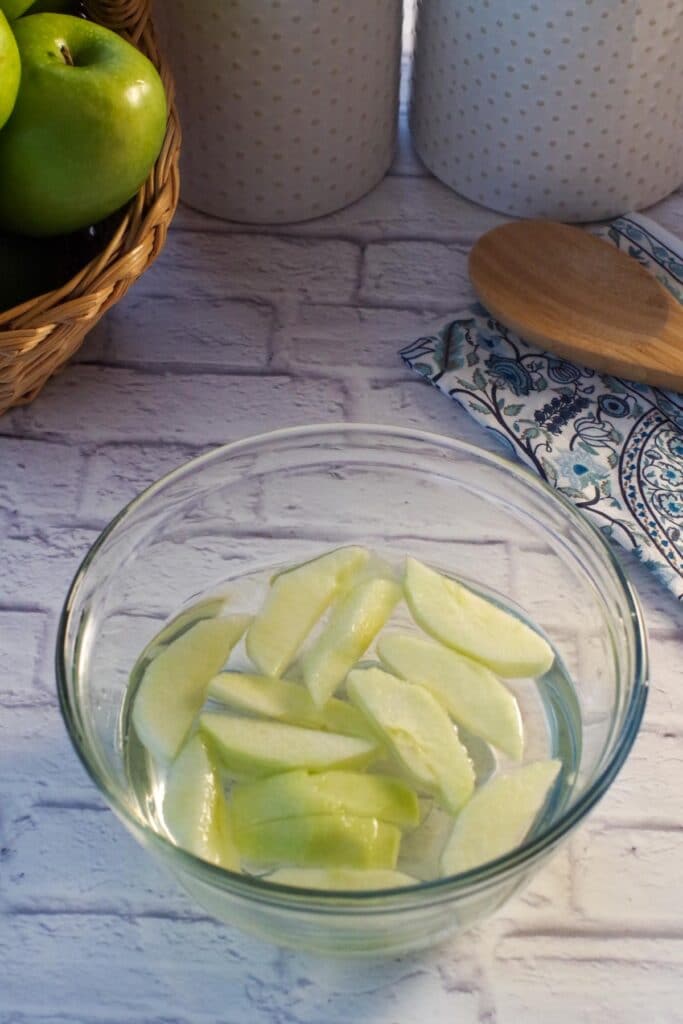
615 448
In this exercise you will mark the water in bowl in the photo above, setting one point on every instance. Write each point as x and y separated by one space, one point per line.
549 708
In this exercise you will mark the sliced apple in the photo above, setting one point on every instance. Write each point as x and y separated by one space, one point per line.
296 600
286 702
254 748
175 683
461 619
353 625
419 733
322 840
472 695
298 793
209 609
498 816
195 809
340 879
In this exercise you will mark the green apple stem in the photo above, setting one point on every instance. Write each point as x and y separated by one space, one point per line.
66 54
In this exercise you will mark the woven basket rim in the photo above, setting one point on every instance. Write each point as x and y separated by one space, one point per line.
38 336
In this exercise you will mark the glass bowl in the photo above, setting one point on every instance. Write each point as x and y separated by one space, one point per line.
286 496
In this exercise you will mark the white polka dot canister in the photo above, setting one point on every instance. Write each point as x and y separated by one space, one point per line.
569 109
288 107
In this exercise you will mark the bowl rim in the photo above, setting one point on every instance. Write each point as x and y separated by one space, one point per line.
385 899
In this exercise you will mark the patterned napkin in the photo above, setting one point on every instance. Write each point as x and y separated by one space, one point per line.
615 448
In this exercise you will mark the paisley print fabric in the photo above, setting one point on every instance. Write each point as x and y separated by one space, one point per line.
613 447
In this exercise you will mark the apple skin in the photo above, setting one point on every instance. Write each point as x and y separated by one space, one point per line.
53 7
10 70
14 8
83 136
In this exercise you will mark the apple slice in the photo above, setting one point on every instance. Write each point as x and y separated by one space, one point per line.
322 840
175 683
286 702
461 619
296 600
353 625
498 816
469 691
419 733
195 810
255 748
209 609
298 793
340 879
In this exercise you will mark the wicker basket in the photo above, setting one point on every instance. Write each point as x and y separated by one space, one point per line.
39 336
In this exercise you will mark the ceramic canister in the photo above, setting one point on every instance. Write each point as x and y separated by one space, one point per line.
570 109
288 107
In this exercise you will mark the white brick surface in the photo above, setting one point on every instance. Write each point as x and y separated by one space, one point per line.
111 404
554 979
215 334
623 875
218 266
22 641
416 273
26 466
348 338
235 331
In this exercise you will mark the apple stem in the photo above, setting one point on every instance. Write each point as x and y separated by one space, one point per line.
66 54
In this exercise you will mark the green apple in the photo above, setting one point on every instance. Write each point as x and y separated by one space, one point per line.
53 7
296 600
250 747
175 683
10 70
419 733
88 124
286 702
349 879
461 619
472 695
498 816
14 8
195 809
353 625
322 840
296 794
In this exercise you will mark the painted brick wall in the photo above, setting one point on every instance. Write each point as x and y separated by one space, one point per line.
234 332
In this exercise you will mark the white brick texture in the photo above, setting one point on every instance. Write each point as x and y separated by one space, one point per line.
234 331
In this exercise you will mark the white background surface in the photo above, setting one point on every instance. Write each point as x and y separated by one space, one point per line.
233 332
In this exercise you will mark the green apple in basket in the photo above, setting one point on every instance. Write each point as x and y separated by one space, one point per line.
14 8
88 124
10 69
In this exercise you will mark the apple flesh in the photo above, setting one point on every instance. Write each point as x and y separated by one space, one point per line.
461 619
88 124
322 841
195 809
285 702
296 600
10 70
298 793
419 733
349 879
353 625
175 683
472 695
498 816
254 748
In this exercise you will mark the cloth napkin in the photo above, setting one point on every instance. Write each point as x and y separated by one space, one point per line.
613 447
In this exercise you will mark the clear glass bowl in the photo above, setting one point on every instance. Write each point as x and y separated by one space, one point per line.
285 496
